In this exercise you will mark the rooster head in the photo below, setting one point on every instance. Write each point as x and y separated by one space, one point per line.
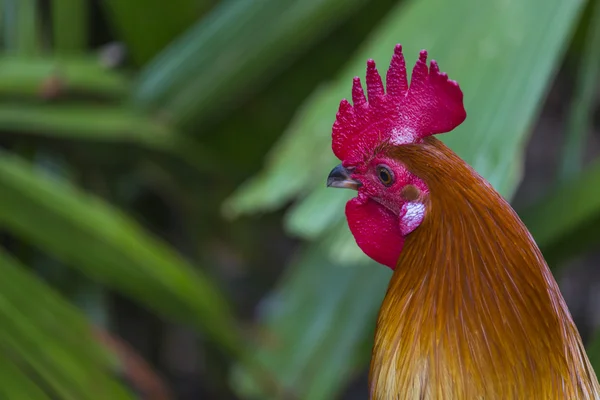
391 200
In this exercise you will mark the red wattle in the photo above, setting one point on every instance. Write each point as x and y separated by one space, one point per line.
376 230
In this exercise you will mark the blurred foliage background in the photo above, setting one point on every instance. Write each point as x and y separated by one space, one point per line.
164 227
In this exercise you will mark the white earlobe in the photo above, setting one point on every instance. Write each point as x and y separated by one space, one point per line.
411 216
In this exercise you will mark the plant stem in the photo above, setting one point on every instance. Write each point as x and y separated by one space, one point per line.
70 26
25 32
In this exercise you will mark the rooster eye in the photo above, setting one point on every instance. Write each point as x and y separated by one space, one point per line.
385 175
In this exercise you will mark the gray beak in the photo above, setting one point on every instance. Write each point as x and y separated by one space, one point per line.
339 177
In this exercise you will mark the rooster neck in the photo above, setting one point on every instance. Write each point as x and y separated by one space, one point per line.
472 310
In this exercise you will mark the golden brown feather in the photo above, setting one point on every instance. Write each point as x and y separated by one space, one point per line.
472 310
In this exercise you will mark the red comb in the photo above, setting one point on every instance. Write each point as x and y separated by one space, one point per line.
432 104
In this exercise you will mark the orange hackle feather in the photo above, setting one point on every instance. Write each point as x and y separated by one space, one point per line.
472 310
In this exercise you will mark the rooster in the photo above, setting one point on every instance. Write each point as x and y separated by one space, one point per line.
472 310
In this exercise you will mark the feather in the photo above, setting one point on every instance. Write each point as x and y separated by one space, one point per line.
472 310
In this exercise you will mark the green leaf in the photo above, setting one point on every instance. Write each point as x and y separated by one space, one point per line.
46 341
80 122
238 46
22 27
312 327
35 77
101 124
103 243
565 222
15 384
504 74
70 26
504 55
135 22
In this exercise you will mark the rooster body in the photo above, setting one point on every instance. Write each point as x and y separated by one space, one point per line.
472 310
